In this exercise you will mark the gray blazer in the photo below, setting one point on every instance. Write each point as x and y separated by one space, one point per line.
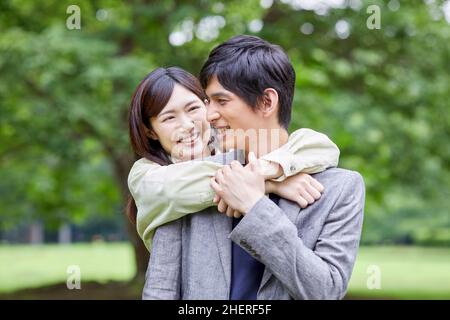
308 253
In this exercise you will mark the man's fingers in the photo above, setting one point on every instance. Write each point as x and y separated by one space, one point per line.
216 198
317 185
236 165
219 176
226 170
222 207
251 157
230 212
253 162
255 166
237 214
216 187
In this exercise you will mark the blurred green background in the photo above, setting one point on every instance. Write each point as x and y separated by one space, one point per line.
382 95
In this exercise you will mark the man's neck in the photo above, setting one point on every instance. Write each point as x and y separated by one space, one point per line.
266 141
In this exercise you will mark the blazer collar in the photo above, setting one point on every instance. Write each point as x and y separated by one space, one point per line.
223 226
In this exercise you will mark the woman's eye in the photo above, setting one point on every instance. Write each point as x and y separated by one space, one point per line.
194 108
168 118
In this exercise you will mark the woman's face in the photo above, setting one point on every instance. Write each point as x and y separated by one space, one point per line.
181 127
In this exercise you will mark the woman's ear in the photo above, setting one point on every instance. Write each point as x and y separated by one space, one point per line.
151 134
269 102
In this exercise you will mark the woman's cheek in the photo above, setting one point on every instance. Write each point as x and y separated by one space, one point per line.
166 138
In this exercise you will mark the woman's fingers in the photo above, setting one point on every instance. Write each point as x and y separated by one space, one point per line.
313 191
305 195
237 214
316 184
302 202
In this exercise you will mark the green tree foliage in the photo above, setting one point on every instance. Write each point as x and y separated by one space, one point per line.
382 95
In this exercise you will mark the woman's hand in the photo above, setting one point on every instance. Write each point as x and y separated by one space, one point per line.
301 188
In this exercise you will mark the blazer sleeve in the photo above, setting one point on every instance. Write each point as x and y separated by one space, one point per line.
163 276
322 273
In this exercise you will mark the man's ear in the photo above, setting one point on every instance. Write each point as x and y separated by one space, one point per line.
268 102
151 134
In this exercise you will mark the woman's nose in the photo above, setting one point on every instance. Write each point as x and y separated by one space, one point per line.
187 123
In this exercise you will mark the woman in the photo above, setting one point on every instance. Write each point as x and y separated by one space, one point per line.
168 126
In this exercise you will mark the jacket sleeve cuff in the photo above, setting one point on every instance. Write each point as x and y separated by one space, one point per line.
254 230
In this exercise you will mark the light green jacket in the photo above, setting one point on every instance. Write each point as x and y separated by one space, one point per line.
167 193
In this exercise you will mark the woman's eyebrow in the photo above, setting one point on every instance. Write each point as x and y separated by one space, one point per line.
165 112
172 110
190 102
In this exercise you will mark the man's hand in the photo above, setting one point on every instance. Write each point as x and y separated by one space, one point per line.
301 188
223 207
239 187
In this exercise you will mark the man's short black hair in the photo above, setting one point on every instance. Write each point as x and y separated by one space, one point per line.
247 65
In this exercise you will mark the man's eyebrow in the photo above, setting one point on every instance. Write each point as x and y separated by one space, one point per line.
220 94
172 111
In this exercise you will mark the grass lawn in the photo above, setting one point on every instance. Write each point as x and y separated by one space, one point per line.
406 272
35 266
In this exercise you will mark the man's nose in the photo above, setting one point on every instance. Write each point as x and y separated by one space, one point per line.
212 115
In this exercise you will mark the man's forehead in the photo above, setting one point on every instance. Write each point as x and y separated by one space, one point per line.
214 88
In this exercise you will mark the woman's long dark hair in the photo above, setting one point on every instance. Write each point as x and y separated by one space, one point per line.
150 97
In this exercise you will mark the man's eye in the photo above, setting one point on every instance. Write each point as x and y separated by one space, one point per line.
222 102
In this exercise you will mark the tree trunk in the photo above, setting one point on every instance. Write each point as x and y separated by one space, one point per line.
122 166
36 233
141 254
65 234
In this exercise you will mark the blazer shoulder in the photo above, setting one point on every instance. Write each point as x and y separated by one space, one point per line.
341 179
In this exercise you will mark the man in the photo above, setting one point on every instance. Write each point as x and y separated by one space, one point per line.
277 250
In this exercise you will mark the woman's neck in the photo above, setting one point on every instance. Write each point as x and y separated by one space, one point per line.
206 153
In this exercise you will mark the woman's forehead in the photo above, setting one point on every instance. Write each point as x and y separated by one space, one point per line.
181 97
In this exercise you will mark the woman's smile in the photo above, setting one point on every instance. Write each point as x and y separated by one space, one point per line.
189 140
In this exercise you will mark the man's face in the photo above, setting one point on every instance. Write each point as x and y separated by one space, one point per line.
231 116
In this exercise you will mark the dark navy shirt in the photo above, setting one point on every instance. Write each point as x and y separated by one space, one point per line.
246 271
